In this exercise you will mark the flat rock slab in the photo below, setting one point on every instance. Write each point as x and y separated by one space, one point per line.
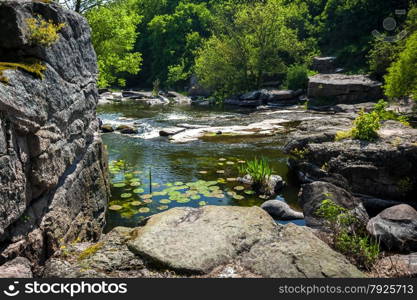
344 88
263 128
297 253
170 131
198 240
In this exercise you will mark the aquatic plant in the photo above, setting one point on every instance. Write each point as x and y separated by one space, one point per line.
258 169
43 32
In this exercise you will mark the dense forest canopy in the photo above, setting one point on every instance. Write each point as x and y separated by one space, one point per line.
237 45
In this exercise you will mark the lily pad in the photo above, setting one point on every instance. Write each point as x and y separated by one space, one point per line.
146 196
202 203
221 180
126 195
232 179
162 207
164 201
238 197
222 159
203 172
183 200
249 192
115 207
135 183
135 203
230 163
168 184
195 197
241 161
231 193
239 188
178 183
221 164
144 210
263 197
219 196
154 184
138 191
119 185
220 171
147 201
137 172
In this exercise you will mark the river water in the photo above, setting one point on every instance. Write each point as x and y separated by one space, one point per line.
149 174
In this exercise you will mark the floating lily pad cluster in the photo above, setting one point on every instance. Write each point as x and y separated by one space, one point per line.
135 196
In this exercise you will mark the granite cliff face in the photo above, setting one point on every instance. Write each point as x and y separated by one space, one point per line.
53 182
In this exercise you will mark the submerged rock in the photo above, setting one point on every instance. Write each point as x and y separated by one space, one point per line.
396 228
338 88
107 128
280 210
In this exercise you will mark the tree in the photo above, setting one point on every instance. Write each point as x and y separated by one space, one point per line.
173 40
114 35
401 80
251 43
81 6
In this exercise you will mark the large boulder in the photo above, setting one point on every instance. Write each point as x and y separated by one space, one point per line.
280 210
324 65
384 169
53 167
339 88
197 240
211 241
313 194
17 268
396 228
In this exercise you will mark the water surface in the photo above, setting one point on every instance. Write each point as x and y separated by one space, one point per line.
149 174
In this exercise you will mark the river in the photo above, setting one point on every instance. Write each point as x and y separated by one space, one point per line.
149 174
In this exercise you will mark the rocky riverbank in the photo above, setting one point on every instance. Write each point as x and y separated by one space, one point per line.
53 167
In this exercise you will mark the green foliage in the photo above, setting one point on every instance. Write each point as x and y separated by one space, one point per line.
381 109
173 40
43 32
251 43
349 236
345 28
381 55
297 77
401 80
366 126
35 68
90 251
156 87
114 35
300 153
258 169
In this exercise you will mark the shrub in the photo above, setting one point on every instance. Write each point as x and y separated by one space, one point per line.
401 80
349 236
381 109
43 32
258 169
366 126
156 88
297 77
